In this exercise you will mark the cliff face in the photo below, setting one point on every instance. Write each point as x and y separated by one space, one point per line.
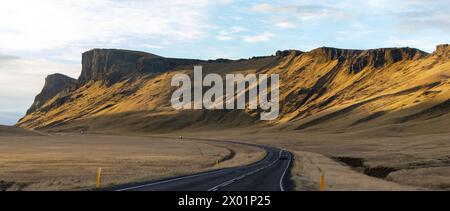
443 51
357 60
326 88
112 65
54 84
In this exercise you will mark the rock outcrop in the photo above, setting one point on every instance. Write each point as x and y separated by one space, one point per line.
54 84
288 53
443 51
359 59
113 65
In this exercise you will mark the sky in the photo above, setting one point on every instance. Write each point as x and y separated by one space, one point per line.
42 37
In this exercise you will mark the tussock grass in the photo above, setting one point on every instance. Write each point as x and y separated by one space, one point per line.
69 162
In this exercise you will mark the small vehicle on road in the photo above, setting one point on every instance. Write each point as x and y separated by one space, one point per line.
284 157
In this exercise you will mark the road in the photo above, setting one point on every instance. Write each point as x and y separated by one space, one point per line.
269 174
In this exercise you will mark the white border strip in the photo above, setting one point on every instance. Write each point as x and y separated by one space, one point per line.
171 180
285 170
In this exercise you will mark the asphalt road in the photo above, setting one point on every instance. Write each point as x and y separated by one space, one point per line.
269 174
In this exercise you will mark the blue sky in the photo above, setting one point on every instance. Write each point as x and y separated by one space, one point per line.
42 37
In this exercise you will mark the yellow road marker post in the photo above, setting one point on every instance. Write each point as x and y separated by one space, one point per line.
322 183
99 179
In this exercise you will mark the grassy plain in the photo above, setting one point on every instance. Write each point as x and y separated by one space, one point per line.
69 162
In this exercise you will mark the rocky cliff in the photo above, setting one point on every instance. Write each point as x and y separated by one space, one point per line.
112 65
54 84
443 51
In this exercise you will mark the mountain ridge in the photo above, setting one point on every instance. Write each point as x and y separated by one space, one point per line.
321 87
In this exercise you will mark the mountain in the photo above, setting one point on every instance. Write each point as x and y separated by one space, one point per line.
323 89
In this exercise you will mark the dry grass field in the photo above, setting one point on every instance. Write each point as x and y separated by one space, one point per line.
69 162
15 131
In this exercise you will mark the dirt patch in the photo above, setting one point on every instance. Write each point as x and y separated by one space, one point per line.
358 165
229 156
310 167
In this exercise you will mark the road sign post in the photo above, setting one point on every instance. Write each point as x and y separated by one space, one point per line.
322 183
99 178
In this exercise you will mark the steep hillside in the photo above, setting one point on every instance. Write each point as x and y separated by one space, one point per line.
325 89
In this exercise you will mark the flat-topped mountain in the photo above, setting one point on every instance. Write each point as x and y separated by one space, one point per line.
323 89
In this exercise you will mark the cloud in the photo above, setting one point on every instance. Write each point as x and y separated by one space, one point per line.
225 1
237 18
380 21
285 25
7 58
354 32
300 11
259 37
292 14
226 35
153 46
422 20
423 43
237 29
409 15
296 9
413 15
21 80
58 24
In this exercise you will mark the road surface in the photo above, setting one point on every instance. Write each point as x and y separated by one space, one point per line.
269 174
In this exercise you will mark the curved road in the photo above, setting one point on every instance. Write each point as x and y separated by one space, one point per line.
269 174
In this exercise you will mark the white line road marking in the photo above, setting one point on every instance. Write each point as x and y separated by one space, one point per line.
284 173
171 180
229 182
241 177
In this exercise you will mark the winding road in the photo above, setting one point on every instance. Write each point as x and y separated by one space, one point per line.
269 174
